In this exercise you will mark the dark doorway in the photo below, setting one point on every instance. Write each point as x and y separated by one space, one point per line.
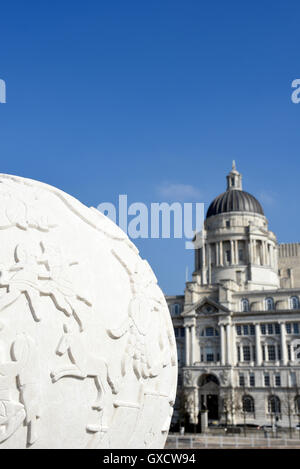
213 406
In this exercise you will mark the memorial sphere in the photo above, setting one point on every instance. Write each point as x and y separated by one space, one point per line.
87 348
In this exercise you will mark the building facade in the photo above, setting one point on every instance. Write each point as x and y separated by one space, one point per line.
237 325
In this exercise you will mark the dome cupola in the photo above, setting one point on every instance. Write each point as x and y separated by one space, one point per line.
234 199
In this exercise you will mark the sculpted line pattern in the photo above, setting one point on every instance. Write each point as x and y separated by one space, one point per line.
23 368
87 215
147 304
22 208
85 365
41 272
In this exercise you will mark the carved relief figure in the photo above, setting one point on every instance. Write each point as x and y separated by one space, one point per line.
85 365
41 270
23 207
25 368
142 308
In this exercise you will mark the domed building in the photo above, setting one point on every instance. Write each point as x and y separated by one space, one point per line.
238 324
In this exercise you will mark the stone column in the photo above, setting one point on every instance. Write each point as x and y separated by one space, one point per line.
217 254
253 251
258 345
265 262
203 264
228 344
231 252
187 345
221 253
203 255
204 421
209 262
222 344
249 251
284 355
233 347
193 345
236 251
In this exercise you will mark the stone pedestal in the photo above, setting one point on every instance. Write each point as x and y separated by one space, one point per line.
204 420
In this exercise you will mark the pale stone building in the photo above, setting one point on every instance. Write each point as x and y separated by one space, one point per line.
238 324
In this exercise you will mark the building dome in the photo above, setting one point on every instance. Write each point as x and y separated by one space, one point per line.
234 199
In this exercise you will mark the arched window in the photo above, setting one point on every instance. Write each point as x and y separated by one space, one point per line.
269 303
176 309
297 404
274 406
248 404
245 305
294 302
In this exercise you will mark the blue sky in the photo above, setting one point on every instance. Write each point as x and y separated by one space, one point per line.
135 97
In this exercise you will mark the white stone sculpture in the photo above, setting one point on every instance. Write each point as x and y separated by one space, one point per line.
87 349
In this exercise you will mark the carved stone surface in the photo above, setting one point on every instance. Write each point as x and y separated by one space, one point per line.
87 349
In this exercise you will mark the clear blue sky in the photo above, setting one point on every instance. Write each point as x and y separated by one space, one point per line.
132 97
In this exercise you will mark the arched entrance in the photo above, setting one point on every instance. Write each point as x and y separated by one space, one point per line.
209 395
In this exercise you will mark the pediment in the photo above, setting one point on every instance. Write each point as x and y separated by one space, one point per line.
206 306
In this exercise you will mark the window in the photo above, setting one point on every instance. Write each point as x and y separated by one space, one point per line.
245 330
288 327
252 379
267 379
209 331
228 256
209 354
270 329
246 353
279 352
241 255
277 380
245 305
227 224
269 303
293 379
297 404
238 353
277 328
239 330
252 330
296 328
274 405
175 309
253 352
294 302
263 329
248 404
271 353
242 380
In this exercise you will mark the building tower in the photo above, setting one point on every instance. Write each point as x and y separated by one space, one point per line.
237 325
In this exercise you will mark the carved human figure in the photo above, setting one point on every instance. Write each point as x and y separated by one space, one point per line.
25 367
83 365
